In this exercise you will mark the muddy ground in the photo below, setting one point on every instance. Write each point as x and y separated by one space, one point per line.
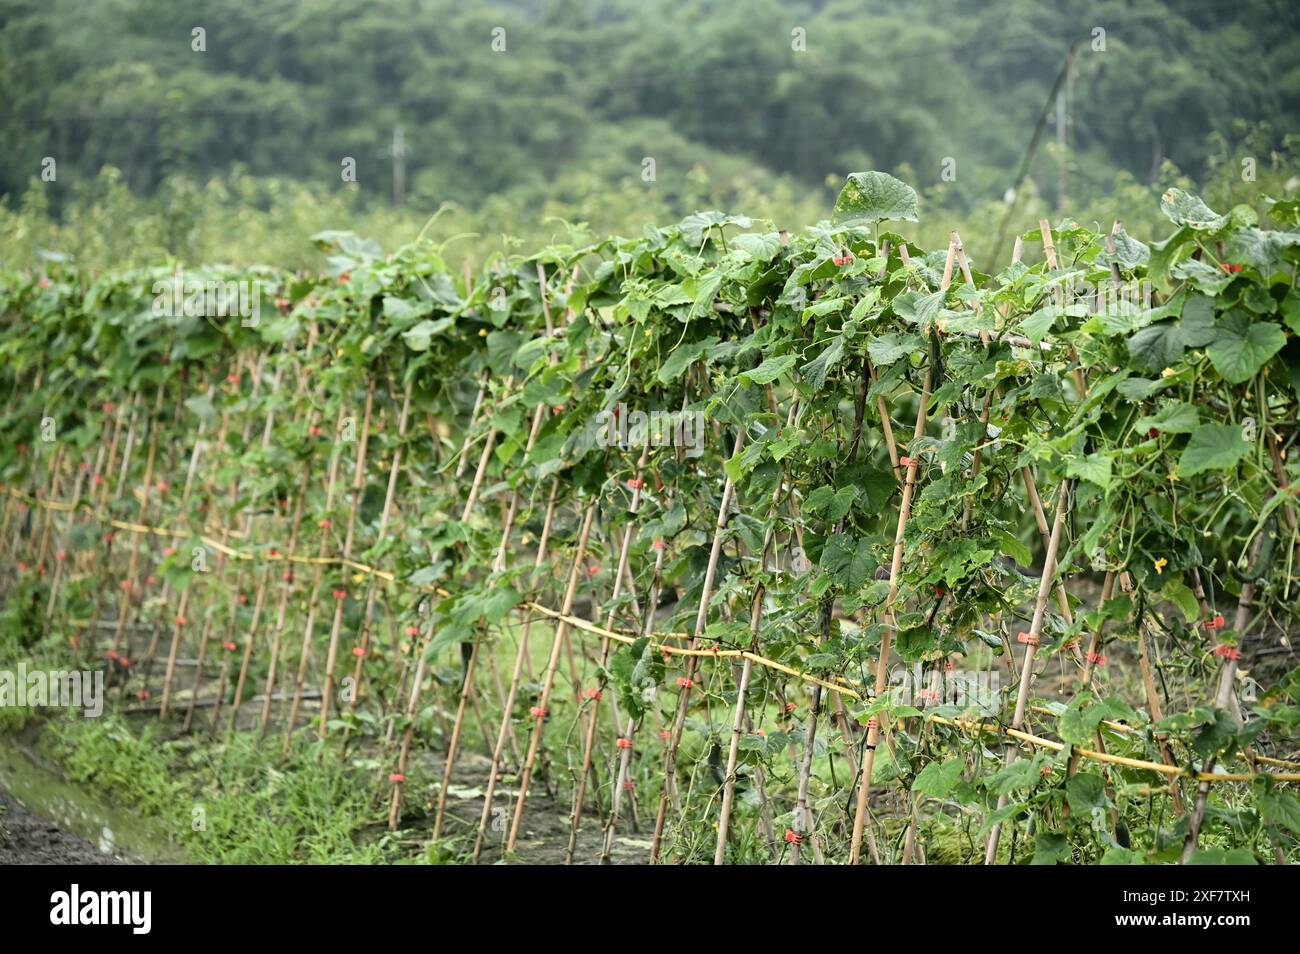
28 839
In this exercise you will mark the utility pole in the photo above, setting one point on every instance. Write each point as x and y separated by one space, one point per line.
398 153
1063 91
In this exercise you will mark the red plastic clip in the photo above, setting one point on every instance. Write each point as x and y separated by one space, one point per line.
1227 652
243 599
1216 623
684 682
537 712
124 662
793 837
358 651
111 654
629 785
396 777
1097 659
340 594
143 694
658 544
180 620
636 483
665 735
412 631
1029 639
592 693
789 707
61 556
229 646
905 461
624 743
873 723
325 523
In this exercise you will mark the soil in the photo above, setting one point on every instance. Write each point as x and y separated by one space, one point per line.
29 839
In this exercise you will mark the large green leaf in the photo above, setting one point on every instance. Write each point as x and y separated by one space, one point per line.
939 778
770 369
1095 468
682 358
871 197
815 371
1241 346
1183 208
1161 345
1176 418
1212 447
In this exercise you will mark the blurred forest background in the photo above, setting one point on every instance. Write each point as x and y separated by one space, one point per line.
234 153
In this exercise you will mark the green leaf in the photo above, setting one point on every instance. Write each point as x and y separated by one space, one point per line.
1212 447
682 357
815 371
886 349
770 369
1181 595
1183 208
1221 856
1282 809
1085 791
871 197
1050 848
758 246
1095 468
1177 418
1241 347
1116 855
1139 389
850 562
939 778
1161 345
201 406
1259 248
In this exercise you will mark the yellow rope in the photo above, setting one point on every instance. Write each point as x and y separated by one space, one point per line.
661 646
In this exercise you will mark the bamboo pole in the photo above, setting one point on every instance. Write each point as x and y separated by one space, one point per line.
358 489
548 678
372 591
1031 640
882 663
590 740
1222 697
701 623
282 607
313 605
623 782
